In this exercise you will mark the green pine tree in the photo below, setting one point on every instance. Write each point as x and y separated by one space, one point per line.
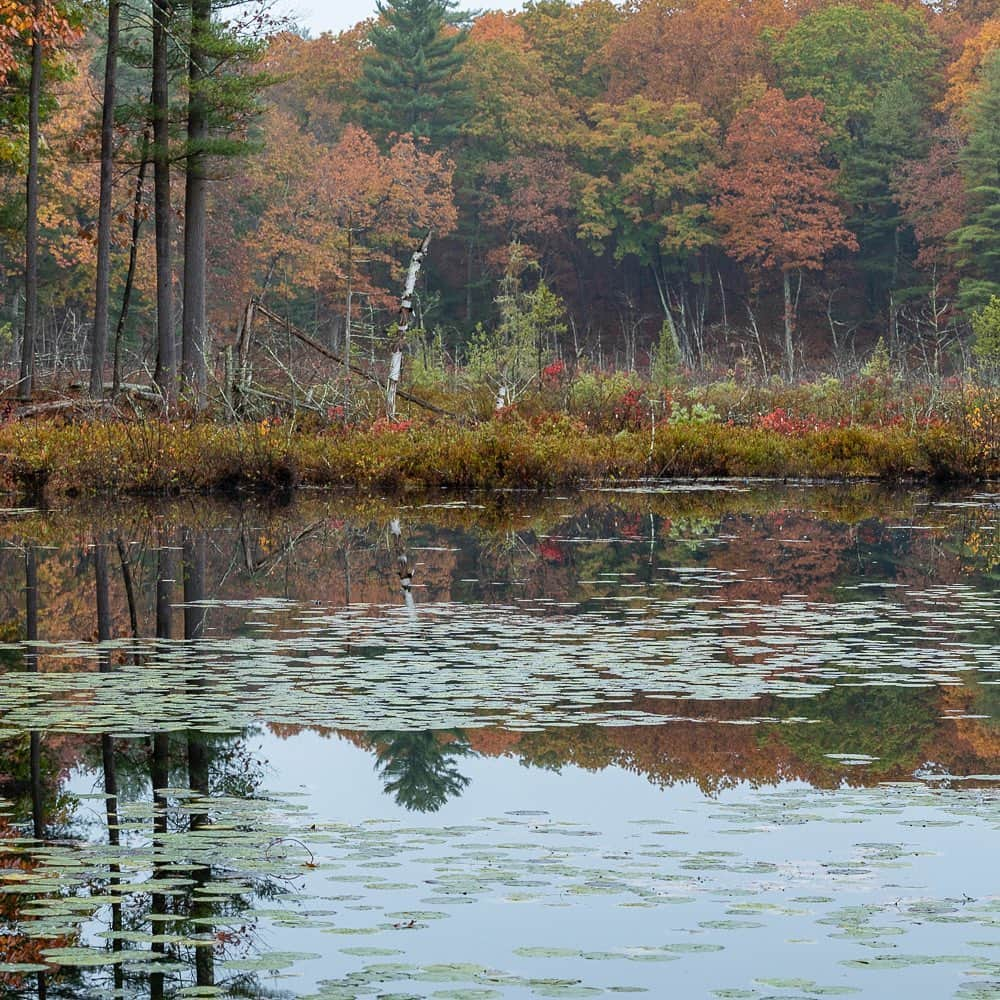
978 241
894 135
410 78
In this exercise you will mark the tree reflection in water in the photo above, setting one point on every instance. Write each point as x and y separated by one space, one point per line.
418 768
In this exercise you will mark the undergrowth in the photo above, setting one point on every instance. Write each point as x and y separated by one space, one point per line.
153 456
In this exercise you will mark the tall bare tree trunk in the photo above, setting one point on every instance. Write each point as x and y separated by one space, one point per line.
99 341
166 355
789 327
27 374
133 252
348 317
193 326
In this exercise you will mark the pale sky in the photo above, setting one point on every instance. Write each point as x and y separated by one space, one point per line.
336 15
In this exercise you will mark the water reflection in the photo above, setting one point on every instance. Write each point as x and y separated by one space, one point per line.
419 770
720 643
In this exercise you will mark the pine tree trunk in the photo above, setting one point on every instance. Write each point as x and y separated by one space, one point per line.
789 328
133 252
166 355
27 374
99 341
193 326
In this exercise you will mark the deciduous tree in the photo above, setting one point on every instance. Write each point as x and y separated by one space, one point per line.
776 202
568 37
874 68
45 29
697 50
643 191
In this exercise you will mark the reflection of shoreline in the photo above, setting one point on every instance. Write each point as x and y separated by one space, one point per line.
717 744
734 562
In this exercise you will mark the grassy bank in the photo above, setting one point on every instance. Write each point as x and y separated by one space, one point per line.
153 456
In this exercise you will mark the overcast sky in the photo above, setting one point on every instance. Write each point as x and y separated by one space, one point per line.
336 15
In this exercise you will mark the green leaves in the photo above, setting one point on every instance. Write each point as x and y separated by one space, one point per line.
643 189
410 76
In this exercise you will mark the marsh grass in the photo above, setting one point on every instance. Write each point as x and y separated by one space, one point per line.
159 457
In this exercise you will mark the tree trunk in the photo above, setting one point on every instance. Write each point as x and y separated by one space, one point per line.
789 328
133 252
193 326
347 319
99 341
166 355
664 294
31 666
27 374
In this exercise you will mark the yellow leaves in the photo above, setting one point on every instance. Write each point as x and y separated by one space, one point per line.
964 73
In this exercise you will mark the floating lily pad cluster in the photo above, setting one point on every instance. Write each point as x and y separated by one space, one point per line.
471 666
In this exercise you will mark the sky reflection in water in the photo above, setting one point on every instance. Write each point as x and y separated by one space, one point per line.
638 741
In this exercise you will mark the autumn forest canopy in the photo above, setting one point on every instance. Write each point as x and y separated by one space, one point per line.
697 183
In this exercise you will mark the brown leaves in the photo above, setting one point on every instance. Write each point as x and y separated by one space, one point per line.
776 202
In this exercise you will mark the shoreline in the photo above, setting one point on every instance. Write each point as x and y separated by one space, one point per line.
156 458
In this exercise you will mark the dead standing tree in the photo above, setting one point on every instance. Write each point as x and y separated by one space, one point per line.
403 326
244 394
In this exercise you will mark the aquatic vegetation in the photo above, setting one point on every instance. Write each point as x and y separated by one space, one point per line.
744 738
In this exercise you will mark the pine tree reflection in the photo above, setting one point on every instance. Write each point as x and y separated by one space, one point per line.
35 750
418 768
198 749
108 765
159 764
31 665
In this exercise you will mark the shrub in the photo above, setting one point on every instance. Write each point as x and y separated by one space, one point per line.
986 346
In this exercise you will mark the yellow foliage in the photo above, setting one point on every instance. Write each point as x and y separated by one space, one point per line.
964 72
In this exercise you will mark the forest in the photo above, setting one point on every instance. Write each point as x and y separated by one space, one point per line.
753 192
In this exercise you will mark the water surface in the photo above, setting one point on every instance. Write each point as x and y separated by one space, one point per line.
729 741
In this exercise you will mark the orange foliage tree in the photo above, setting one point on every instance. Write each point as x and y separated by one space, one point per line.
964 74
700 50
292 212
775 201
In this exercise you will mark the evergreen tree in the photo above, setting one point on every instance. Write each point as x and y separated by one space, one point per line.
978 241
874 70
222 98
894 135
410 78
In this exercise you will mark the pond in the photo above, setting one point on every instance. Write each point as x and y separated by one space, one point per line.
705 740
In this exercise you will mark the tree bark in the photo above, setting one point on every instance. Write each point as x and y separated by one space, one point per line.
99 341
166 355
27 373
789 327
133 252
193 325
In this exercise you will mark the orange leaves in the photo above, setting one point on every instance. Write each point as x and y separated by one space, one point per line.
964 73
700 51
317 78
776 202
19 21
302 197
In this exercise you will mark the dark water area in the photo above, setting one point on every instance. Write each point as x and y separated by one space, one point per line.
691 740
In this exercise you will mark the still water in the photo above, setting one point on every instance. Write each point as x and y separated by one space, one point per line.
687 741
